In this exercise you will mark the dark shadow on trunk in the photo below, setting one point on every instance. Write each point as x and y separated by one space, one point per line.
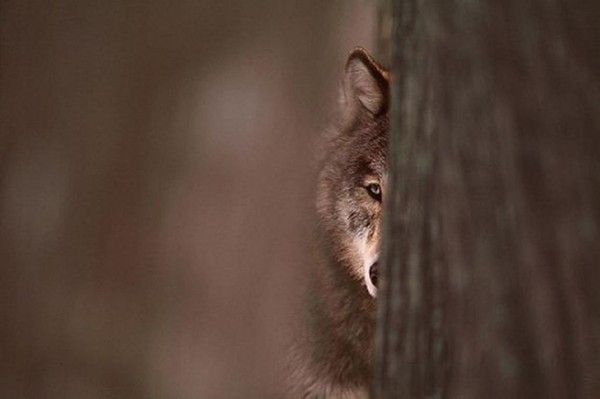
490 277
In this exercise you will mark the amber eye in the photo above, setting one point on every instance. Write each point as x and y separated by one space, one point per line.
374 191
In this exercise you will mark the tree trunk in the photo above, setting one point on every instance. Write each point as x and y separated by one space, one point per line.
491 284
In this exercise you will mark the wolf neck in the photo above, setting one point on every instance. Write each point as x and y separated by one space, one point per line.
342 325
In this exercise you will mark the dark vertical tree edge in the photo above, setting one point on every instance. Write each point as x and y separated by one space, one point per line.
492 236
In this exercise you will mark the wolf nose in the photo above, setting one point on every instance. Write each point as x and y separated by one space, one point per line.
373 273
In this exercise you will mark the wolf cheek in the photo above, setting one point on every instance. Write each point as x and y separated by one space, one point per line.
368 250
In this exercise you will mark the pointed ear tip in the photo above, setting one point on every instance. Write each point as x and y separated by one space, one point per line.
361 54
367 81
359 50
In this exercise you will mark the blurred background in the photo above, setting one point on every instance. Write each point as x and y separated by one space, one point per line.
156 190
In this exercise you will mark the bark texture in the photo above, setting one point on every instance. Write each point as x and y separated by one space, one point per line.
491 280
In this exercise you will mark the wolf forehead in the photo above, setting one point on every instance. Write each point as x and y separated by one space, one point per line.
368 149
360 152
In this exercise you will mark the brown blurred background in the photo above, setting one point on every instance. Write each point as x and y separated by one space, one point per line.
156 190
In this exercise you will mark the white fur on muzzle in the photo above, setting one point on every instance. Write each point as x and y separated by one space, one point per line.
367 276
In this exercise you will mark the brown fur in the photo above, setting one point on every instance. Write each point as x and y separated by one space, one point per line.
334 359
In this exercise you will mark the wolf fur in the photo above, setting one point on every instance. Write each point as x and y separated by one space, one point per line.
334 358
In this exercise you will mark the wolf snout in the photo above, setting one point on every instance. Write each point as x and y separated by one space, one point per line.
371 278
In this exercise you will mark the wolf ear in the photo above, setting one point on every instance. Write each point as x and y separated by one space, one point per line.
366 83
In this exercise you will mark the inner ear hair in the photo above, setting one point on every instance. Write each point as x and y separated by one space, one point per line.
366 81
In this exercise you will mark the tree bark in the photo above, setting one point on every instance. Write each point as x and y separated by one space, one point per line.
491 284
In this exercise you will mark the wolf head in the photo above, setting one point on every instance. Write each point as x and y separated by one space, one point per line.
352 180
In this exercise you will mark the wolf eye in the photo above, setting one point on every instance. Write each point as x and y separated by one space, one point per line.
374 191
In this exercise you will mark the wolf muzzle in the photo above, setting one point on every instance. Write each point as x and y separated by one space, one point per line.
371 277
373 273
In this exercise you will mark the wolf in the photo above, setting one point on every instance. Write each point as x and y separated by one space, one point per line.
334 357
